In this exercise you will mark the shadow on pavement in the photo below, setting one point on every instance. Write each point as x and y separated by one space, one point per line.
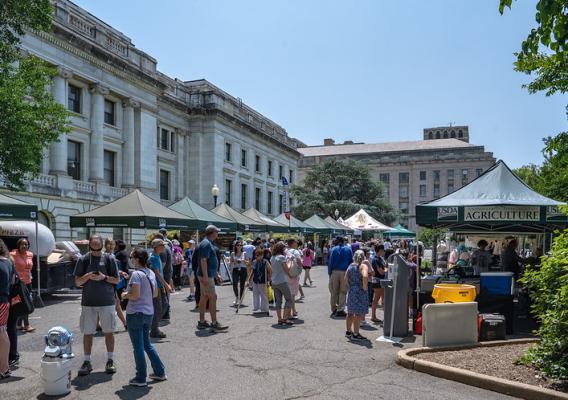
132 392
94 378
261 315
363 343
282 327
12 378
369 328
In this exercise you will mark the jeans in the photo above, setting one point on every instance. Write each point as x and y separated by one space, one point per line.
239 281
138 330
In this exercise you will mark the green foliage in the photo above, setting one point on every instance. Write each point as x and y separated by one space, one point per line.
345 186
427 235
548 285
30 118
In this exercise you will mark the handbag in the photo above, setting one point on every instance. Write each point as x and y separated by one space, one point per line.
21 299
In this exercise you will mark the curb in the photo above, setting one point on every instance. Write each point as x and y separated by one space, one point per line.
405 359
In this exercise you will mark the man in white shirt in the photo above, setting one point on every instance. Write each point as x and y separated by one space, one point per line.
249 251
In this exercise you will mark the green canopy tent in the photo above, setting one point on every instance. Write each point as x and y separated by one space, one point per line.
399 232
134 210
243 223
201 217
14 209
320 225
271 225
294 224
496 201
340 229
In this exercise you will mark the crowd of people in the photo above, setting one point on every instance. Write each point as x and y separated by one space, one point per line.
134 287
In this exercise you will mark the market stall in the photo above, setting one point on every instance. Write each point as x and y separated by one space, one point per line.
341 229
399 232
294 224
243 223
271 225
200 217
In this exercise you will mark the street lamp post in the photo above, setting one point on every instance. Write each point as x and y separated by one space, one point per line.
215 193
336 214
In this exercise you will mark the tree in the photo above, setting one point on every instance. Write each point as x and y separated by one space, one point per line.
530 174
344 186
30 119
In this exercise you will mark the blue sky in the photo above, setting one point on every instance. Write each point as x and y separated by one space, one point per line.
365 70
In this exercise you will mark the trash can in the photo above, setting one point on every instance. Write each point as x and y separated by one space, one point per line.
57 361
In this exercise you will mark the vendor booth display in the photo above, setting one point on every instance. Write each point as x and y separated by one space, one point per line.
363 221
271 225
134 210
243 223
200 218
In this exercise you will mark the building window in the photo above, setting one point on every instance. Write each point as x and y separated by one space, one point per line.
269 168
403 206
436 176
422 190
450 174
438 135
228 187
257 163
74 160
478 172
257 198
166 139
109 172
270 199
453 134
280 205
436 192
450 188
280 171
445 135
422 175
291 174
385 180
74 99
403 192
244 195
243 158
164 185
109 112
228 151
403 177
460 134
465 173
430 136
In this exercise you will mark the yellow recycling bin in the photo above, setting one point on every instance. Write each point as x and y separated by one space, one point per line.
453 293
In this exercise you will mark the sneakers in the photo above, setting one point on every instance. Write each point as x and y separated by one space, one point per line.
236 301
159 335
218 327
134 382
348 334
358 337
14 362
203 325
110 368
159 378
85 369
340 313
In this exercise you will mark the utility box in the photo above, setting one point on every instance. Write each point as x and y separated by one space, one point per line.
396 298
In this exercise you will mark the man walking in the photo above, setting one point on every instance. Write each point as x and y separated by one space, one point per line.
158 246
207 272
166 256
97 274
339 260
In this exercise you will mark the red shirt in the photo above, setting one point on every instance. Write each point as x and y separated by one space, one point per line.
24 265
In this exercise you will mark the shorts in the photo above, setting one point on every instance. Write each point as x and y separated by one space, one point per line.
282 290
376 285
89 316
4 311
306 267
208 289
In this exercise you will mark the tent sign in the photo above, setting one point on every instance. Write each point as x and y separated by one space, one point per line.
502 213
447 213
89 222
554 212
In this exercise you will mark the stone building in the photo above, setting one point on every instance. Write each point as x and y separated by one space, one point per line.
135 127
411 171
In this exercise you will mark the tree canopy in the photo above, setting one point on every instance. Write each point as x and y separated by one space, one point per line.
343 186
30 119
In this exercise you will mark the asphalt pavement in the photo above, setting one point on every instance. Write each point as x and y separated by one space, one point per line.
254 359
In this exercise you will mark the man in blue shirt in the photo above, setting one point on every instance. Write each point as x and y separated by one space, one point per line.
207 271
339 259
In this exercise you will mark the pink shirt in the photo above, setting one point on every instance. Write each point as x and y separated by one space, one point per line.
308 259
24 265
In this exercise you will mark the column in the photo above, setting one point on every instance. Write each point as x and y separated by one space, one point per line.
187 167
96 156
58 150
180 154
128 149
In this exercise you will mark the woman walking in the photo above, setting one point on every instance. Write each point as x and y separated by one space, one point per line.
307 262
6 280
23 262
261 272
139 313
356 278
239 271
280 268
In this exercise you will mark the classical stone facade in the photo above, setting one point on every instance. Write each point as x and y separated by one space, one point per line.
411 172
134 127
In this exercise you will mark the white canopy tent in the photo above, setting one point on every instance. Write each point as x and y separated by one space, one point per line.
363 221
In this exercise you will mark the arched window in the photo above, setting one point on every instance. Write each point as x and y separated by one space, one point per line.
45 218
430 136
453 134
460 133
445 134
438 135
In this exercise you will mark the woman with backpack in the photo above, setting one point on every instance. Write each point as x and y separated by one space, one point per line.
307 262
261 274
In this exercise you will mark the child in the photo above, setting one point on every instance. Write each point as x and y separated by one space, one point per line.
261 274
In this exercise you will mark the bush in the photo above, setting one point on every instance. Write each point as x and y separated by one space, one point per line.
548 286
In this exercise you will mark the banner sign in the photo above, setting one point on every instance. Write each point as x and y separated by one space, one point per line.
285 202
502 213
554 213
448 214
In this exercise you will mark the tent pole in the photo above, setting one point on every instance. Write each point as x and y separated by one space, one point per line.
38 262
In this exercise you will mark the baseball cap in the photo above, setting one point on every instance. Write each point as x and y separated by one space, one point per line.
211 228
157 243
